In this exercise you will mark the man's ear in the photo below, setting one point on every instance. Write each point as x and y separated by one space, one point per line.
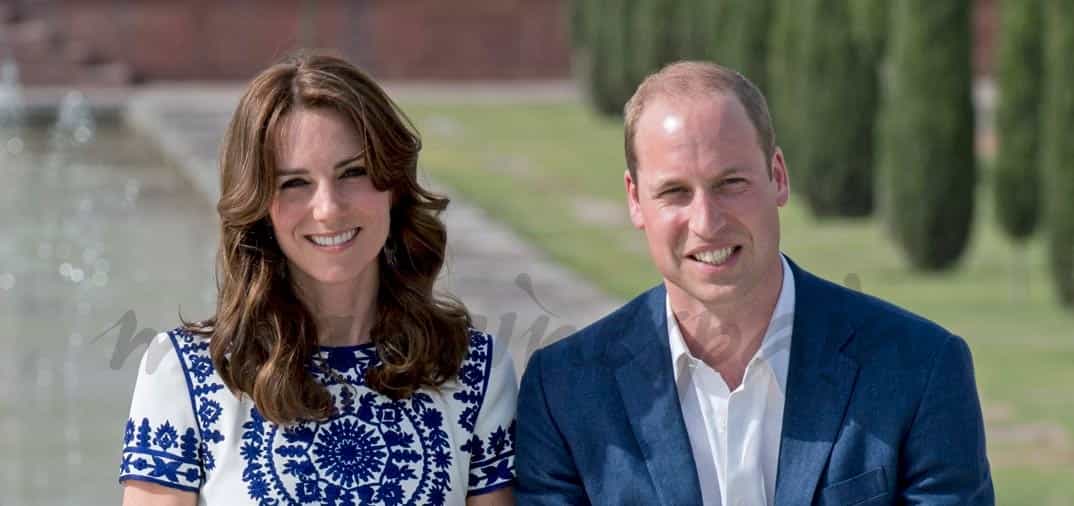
781 178
632 200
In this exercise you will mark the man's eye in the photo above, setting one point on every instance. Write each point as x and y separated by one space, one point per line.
292 183
735 181
671 191
354 172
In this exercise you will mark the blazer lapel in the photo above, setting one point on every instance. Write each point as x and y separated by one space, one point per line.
649 394
819 383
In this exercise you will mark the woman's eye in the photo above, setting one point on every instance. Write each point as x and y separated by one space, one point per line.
292 183
354 172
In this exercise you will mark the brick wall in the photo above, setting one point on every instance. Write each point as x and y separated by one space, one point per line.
234 39
483 40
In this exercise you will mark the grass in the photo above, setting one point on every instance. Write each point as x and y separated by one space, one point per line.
554 173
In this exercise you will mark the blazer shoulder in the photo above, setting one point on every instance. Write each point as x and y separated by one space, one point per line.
879 324
590 343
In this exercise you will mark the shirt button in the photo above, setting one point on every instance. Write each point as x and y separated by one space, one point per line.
722 424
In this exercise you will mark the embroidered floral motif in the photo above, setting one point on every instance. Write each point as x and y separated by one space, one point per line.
348 452
148 453
474 376
492 461
372 451
194 355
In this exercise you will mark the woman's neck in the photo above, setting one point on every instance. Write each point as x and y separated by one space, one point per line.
343 312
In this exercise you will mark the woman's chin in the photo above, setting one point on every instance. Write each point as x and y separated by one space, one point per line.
332 277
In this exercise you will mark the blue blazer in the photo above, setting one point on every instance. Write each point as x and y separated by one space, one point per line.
881 408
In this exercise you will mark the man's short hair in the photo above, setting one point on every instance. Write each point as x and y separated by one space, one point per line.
697 79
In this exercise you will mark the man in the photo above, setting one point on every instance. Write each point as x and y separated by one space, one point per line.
742 379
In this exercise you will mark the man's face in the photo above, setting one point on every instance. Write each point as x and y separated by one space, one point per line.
705 199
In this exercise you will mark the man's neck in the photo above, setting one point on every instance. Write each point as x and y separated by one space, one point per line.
727 336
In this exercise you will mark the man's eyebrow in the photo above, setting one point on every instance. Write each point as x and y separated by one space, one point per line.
731 171
339 165
663 184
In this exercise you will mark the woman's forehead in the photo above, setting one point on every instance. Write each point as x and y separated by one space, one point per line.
316 136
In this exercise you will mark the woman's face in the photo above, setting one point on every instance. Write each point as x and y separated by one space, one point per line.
328 219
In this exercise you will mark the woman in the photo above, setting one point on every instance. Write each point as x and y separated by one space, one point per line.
330 373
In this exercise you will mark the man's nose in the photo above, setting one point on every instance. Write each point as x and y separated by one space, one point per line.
706 215
327 202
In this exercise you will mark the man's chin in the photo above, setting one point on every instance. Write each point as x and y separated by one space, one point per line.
707 294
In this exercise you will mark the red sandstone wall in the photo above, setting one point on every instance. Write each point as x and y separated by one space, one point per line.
233 39
494 39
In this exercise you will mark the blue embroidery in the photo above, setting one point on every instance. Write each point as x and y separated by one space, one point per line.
492 464
372 451
491 461
474 376
152 456
194 357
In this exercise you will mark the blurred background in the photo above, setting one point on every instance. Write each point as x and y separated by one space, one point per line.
927 142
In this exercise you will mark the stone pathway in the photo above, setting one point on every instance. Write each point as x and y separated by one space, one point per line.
513 289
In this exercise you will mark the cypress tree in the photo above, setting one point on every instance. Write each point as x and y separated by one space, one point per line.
652 38
1017 170
926 151
579 23
630 39
1058 150
784 72
745 39
697 29
609 54
869 20
835 158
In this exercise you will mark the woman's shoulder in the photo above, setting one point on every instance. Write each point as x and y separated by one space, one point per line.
486 371
176 365
179 351
484 357
162 438
489 394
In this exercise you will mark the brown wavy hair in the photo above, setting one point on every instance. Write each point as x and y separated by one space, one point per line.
263 338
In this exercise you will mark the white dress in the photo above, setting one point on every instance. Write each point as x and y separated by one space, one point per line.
188 431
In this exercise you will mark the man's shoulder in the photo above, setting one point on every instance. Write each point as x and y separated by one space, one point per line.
591 343
879 325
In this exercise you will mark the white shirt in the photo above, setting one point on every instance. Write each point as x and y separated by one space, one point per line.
735 436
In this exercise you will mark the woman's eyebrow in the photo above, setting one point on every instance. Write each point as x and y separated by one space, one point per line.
339 165
349 161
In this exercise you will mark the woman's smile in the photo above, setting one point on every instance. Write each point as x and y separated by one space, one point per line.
337 241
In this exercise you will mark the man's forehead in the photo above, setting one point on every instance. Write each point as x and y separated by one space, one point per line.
682 106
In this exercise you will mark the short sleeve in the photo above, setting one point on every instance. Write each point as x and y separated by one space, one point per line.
161 442
492 446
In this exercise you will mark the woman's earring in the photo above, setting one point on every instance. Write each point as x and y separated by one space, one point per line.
389 252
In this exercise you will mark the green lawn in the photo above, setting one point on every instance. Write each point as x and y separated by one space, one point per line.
554 173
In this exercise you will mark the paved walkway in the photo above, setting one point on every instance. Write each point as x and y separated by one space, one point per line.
513 289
